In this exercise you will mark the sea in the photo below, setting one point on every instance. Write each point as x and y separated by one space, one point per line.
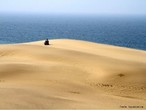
124 31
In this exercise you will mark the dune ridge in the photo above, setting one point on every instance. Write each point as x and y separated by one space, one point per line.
71 74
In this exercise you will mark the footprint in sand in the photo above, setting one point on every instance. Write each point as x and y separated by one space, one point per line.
121 75
1 81
74 92
94 84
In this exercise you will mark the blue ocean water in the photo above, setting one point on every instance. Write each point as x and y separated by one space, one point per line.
126 31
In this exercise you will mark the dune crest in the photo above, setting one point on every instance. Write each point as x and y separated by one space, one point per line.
71 74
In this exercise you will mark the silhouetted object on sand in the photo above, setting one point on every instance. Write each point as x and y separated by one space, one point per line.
46 42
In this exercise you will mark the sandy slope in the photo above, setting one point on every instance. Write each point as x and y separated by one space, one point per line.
71 74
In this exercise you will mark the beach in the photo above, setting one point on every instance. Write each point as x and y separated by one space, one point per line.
71 74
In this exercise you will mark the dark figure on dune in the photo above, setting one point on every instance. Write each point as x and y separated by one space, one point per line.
46 42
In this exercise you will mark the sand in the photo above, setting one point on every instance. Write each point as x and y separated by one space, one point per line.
71 74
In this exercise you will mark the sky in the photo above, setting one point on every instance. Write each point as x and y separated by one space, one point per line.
128 7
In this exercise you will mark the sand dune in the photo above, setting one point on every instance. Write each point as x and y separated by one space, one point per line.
71 74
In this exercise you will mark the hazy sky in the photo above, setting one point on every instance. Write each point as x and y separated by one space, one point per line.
74 6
